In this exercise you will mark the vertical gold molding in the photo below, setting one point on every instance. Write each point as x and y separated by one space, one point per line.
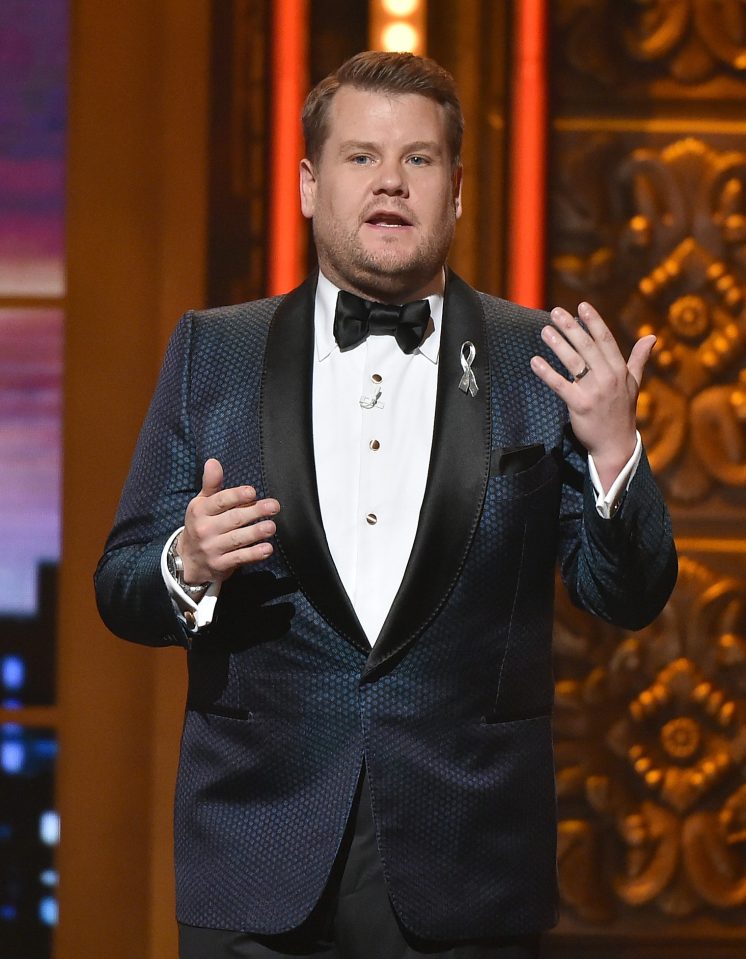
453 40
472 40
136 254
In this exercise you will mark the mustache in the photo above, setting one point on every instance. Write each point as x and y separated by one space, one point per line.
391 208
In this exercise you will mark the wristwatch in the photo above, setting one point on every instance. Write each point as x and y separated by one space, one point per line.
176 569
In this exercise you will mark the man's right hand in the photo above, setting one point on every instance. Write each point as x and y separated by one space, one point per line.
224 529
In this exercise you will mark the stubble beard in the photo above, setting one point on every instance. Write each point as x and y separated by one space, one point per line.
390 275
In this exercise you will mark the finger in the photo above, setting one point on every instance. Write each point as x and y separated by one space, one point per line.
571 328
563 350
244 537
240 516
554 380
603 338
639 356
243 557
247 545
218 499
579 339
212 477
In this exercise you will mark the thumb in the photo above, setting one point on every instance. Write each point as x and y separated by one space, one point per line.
639 356
212 478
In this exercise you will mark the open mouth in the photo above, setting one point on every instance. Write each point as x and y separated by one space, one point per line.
388 220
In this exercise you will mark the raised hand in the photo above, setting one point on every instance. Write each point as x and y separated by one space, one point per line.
602 394
224 528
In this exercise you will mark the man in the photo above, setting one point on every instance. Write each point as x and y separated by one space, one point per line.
354 535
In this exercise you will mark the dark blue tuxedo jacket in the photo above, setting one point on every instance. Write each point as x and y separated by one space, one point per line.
451 709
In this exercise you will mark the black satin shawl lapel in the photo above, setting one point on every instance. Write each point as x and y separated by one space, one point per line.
288 468
456 483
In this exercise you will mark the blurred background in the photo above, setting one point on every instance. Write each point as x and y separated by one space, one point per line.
148 164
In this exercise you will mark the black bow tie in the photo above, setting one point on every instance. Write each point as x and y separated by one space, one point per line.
355 319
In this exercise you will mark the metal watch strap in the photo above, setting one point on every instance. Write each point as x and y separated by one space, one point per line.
176 568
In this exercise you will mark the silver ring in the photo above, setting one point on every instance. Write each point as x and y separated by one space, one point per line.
584 372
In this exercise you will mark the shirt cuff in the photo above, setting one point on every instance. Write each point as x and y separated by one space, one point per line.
195 616
608 503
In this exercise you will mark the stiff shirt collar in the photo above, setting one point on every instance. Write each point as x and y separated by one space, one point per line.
325 305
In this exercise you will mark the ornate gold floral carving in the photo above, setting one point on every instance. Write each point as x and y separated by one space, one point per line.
651 743
675 260
690 39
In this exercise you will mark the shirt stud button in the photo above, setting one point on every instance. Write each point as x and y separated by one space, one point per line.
376 377
371 519
374 445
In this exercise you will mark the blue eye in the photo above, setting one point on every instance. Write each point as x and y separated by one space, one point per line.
418 160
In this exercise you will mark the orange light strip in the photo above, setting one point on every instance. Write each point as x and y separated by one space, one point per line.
527 204
286 266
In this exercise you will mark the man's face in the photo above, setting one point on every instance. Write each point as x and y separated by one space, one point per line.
383 195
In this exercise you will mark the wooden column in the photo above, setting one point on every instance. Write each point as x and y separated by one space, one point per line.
136 254
473 42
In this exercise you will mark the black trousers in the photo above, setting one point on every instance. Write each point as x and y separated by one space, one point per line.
353 920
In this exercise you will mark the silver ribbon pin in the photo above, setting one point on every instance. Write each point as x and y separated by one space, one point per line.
468 383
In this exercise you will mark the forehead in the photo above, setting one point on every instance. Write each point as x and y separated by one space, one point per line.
375 116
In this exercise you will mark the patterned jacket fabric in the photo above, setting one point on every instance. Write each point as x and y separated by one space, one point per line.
451 710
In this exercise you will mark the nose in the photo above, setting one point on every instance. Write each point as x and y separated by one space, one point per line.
391 179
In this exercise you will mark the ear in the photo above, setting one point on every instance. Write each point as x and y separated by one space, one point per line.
307 188
458 176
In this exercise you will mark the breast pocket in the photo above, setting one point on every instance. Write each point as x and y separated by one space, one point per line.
509 460
521 471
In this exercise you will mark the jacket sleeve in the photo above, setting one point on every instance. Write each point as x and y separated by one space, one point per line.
622 569
164 476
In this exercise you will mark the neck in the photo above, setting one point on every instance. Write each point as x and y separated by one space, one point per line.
396 291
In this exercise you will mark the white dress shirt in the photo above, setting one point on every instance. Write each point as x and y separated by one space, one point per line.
372 463
373 414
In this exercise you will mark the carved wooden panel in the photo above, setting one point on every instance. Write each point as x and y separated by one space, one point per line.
650 49
648 221
655 235
650 733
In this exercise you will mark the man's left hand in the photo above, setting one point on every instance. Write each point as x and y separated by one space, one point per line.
602 394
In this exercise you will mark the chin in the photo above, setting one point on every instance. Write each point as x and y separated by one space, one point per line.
393 263
398 285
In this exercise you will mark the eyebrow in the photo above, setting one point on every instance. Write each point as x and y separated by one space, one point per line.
417 146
